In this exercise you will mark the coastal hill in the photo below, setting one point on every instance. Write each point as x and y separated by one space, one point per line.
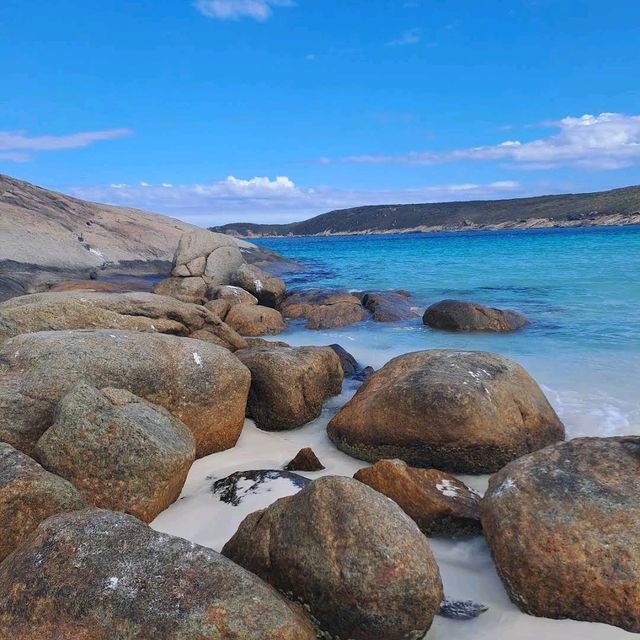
615 207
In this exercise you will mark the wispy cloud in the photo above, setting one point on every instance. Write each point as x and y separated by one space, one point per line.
18 146
260 10
411 36
605 141
262 199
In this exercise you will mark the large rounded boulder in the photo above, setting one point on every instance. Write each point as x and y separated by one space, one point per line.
290 384
28 495
120 451
254 320
563 525
459 315
269 290
201 384
324 309
93 574
353 557
464 411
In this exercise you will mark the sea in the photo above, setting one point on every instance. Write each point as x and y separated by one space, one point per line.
581 290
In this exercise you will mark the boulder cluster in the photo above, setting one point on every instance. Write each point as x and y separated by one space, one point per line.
107 398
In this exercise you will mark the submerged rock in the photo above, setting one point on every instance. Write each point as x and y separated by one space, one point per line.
324 309
96 574
440 504
350 555
290 385
305 460
121 452
563 525
464 411
458 315
255 320
235 488
201 384
28 495
351 367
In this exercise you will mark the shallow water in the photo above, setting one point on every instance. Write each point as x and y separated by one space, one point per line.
581 290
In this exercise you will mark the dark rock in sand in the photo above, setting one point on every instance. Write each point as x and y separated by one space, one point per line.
563 525
388 306
121 452
324 309
202 385
290 385
305 460
255 320
457 315
461 609
268 289
93 575
464 411
440 504
235 488
29 495
352 556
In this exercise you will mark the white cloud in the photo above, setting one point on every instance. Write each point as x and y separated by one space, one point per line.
17 146
606 141
260 10
411 36
262 199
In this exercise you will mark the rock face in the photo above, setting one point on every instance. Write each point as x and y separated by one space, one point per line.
268 289
289 385
121 452
29 495
324 309
95 310
464 411
254 320
353 557
440 504
93 574
457 315
201 384
305 460
563 525
388 306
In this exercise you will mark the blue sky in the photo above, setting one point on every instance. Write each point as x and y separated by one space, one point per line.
275 110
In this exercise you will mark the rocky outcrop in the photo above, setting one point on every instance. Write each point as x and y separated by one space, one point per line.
132 311
457 315
305 460
96 574
388 306
465 411
350 555
29 495
563 525
290 384
202 385
268 289
324 309
440 504
254 320
121 452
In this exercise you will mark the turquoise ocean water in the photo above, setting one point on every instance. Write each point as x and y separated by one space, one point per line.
579 287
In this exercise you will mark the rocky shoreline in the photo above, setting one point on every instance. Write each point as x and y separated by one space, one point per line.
109 398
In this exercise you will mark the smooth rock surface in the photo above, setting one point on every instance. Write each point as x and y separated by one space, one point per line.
98 575
388 306
255 320
458 315
290 384
563 525
28 495
440 504
464 411
233 295
352 556
201 384
120 451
